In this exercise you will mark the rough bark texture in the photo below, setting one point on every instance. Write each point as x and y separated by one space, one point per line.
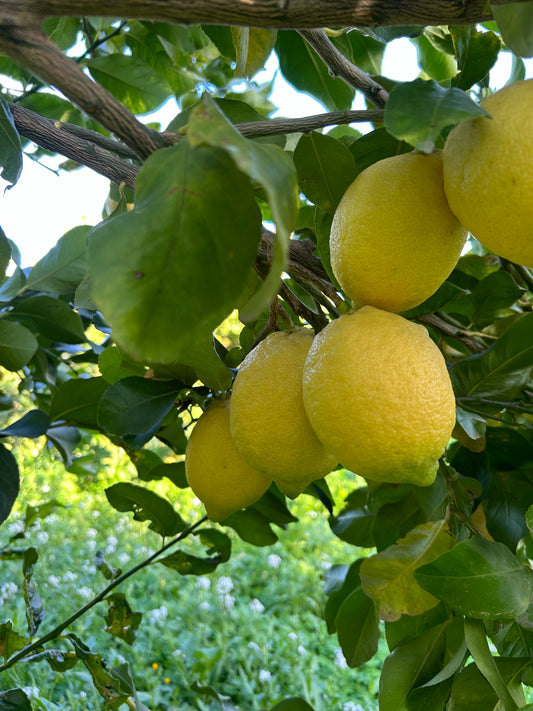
261 13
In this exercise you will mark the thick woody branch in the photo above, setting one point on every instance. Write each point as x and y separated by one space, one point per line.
32 49
340 67
53 136
283 14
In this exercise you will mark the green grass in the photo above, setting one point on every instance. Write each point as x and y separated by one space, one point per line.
252 630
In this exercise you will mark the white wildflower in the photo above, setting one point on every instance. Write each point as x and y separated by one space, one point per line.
85 592
205 605
254 646
274 560
224 585
92 533
53 580
340 661
264 675
256 605
203 583
42 537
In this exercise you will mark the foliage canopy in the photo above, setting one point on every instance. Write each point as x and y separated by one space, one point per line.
229 209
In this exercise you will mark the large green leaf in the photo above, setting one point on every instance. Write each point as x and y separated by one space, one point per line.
419 110
10 148
131 81
476 54
33 424
493 296
166 273
15 700
501 371
265 164
375 146
50 317
479 578
362 50
506 502
358 628
388 577
325 169
295 703
435 63
306 72
136 405
9 482
17 345
472 692
515 20
411 665
62 269
146 506
76 401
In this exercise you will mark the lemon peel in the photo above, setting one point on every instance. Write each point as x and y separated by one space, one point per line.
267 417
215 469
394 239
488 176
377 393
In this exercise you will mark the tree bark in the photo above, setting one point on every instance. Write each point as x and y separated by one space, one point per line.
283 14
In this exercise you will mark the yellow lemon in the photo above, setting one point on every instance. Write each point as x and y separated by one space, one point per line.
268 421
378 395
215 469
488 173
394 239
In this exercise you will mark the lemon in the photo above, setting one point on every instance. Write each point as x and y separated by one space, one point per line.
214 468
488 175
394 239
377 393
268 421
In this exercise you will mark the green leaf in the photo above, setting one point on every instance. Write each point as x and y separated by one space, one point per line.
476 53
15 700
355 523
121 620
65 440
10 641
376 145
131 80
325 169
502 370
76 401
33 424
136 405
480 579
363 51
493 296
50 317
5 253
146 506
388 577
253 47
10 148
506 502
411 665
270 167
514 22
17 345
252 526
218 547
306 72
472 692
419 110
32 600
115 365
433 61
9 482
166 273
64 267
39 512
358 628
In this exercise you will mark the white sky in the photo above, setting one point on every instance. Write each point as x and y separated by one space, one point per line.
43 206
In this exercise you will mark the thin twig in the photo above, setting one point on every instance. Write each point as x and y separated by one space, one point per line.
449 329
53 634
340 67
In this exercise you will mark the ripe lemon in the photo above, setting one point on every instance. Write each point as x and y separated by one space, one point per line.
267 417
488 175
214 468
378 395
394 239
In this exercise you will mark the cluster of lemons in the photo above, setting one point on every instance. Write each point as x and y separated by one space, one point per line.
371 391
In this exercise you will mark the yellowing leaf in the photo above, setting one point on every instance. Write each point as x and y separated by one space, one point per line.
388 577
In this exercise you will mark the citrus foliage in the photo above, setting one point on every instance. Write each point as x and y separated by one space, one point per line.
112 333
